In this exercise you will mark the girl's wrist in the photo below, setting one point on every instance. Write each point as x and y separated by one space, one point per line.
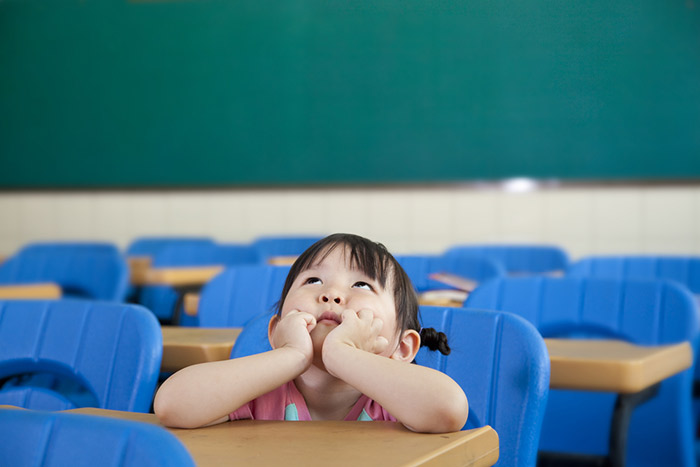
334 353
294 358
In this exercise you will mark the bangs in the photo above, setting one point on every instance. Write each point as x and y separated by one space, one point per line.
368 257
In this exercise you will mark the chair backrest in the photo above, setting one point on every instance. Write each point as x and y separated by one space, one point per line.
82 269
151 245
683 269
64 354
283 245
240 293
32 438
419 267
518 259
641 312
253 338
501 363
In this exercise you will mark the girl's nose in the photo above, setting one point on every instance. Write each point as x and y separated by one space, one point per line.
331 297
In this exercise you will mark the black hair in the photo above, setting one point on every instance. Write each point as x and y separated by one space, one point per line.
374 260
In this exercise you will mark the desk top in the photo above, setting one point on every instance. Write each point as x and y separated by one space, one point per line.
325 443
447 297
613 365
30 291
185 346
176 276
282 260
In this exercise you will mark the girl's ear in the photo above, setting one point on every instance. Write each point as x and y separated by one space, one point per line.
271 328
408 346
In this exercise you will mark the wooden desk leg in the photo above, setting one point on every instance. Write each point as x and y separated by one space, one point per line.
619 429
180 302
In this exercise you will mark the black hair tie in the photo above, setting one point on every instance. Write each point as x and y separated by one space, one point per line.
434 340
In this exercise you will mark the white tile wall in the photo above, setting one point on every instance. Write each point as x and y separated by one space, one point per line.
582 219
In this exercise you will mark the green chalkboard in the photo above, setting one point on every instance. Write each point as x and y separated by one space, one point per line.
107 93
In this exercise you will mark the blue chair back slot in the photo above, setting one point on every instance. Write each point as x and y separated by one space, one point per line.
642 312
32 438
240 293
106 354
83 270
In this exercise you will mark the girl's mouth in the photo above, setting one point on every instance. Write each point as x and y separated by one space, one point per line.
329 316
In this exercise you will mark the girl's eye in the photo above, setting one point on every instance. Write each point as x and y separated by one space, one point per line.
313 280
363 285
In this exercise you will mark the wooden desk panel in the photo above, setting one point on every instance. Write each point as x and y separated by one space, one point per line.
324 443
612 365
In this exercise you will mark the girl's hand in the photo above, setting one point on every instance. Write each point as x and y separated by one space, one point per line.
292 332
359 330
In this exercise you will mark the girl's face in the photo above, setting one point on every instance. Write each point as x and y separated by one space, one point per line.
331 286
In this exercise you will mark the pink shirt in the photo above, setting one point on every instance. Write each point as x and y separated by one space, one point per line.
287 403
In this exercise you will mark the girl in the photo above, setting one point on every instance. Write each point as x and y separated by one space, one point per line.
343 339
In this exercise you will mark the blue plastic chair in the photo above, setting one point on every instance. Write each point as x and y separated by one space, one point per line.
86 269
501 363
499 359
63 354
518 259
419 267
31 438
642 312
283 245
162 299
240 293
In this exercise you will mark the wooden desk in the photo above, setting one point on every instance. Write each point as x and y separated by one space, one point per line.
185 346
633 372
30 291
613 366
324 443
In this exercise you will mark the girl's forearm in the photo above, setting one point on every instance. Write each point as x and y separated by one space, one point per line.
423 399
204 394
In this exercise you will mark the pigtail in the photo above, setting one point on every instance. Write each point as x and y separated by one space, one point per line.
434 340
